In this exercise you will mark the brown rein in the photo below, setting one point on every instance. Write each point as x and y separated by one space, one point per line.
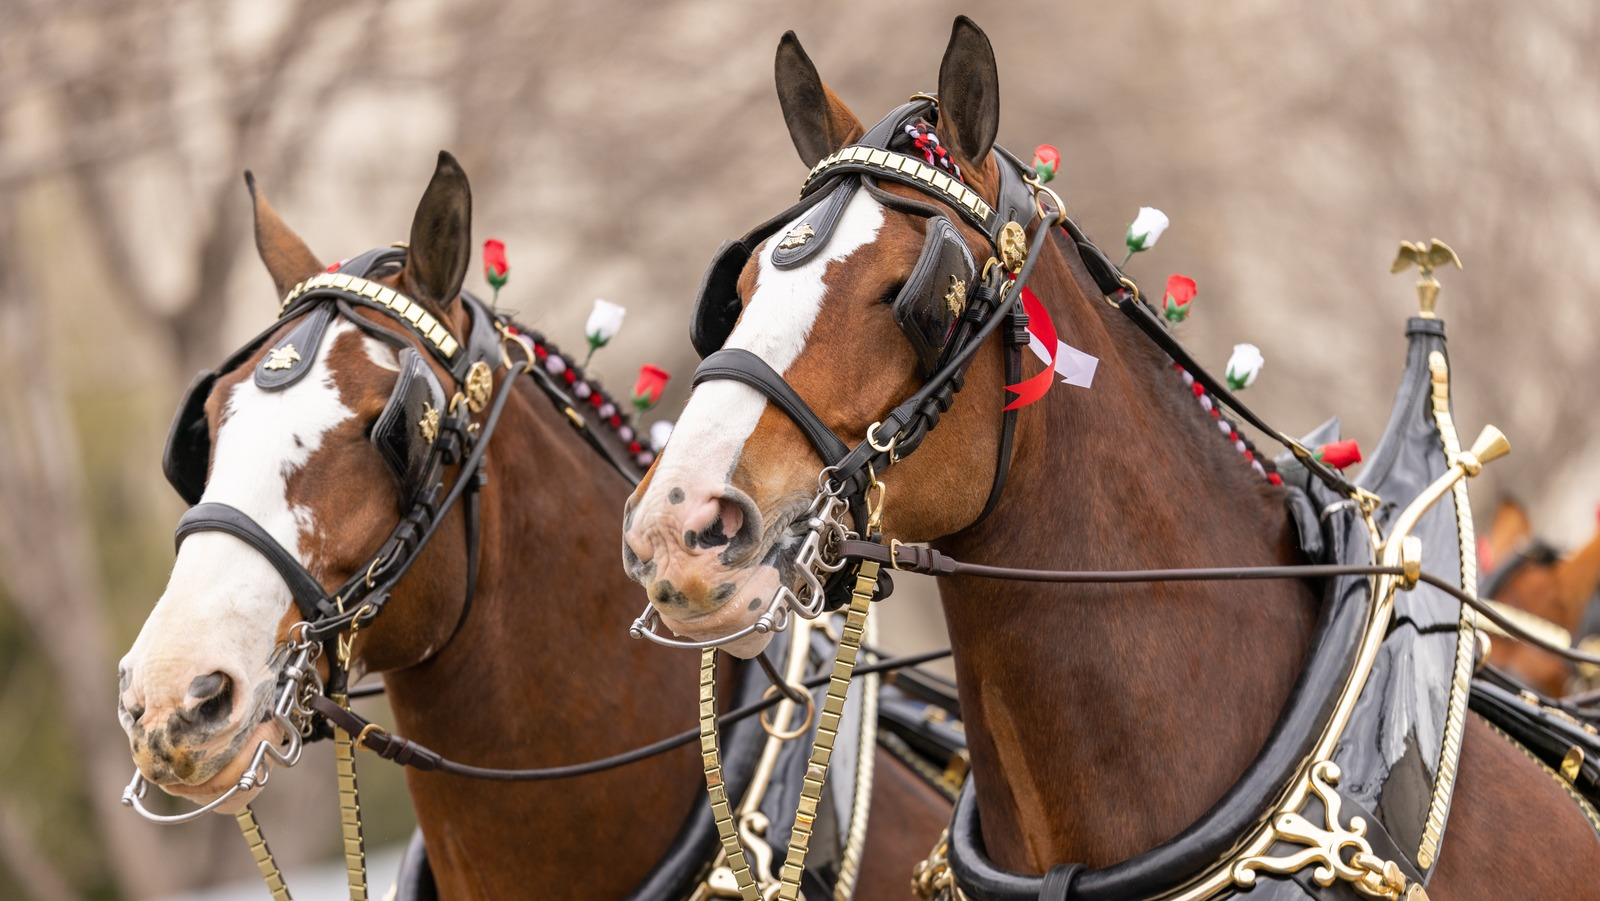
406 752
927 561
923 561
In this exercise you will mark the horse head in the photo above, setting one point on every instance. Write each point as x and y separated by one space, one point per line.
851 300
313 433
1527 573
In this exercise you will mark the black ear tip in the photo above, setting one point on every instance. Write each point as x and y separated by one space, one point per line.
250 183
448 162
789 39
965 26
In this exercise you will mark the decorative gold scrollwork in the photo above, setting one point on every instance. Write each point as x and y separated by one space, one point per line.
1013 247
282 357
955 298
428 425
1327 846
797 236
931 879
479 385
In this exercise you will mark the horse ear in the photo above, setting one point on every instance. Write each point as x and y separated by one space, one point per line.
818 120
969 94
1509 530
441 236
289 261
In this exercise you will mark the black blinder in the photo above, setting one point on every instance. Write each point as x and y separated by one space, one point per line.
404 432
716 309
935 294
188 453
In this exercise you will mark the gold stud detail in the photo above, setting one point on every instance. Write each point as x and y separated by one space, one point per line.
282 358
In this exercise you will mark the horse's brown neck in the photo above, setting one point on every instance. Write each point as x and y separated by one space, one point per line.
1105 719
542 673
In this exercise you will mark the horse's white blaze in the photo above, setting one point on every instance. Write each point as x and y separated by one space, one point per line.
223 601
776 323
382 355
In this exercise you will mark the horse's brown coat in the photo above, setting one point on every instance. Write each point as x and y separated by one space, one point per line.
1105 719
541 672
1559 591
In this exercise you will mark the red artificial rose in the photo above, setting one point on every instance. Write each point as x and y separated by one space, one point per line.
647 390
495 267
1046 162
1339 454
1180 293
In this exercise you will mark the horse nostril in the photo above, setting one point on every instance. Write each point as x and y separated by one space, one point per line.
211 696
734 527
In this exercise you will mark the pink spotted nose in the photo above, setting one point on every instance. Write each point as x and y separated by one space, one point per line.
681 542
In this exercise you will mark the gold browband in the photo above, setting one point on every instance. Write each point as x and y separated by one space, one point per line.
888 161
404 308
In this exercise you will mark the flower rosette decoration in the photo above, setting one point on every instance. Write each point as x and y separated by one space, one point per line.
495 266
1144 231
1046 162
1339 454
647 390
605 320
1244 366
1181 291
660 431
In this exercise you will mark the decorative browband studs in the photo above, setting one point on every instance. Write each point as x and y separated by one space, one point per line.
888 161
405 309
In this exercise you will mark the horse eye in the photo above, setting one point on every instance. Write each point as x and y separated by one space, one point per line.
892 293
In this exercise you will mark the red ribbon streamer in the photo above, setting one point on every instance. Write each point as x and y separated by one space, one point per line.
1040 326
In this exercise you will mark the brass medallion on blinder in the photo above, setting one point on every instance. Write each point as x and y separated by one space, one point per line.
479 385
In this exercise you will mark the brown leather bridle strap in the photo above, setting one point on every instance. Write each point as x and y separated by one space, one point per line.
927 561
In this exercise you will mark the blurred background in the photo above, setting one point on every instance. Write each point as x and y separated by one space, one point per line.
613 146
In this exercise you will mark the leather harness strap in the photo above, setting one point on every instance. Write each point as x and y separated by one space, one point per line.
927 561
739 365
1058 881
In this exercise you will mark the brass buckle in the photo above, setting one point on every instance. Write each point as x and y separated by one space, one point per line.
1127 285
872 440
894 555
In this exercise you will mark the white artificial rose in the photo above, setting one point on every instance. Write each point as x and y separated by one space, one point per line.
660 431
1244 366
605 320
1146 229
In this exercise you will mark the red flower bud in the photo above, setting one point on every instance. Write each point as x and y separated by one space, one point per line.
1046 162
495 267
1339 454
647 390
1180 293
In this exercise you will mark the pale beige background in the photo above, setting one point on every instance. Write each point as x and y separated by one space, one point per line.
613 145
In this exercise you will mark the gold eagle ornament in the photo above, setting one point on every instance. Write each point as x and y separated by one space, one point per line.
1426 257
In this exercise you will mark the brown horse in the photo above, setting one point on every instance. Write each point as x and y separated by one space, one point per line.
535 674
1529 575
1103 720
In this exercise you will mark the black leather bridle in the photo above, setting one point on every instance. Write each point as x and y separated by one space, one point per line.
460 439
992 306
